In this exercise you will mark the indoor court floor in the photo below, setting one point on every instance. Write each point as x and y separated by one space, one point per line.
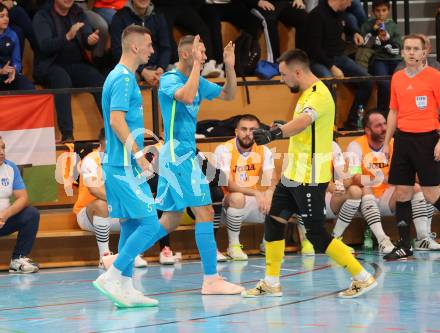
64 300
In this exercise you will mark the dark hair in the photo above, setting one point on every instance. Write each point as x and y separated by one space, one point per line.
134 29
414 36
296 55
101 136
377 3
367 115
3 7
249 117
187 39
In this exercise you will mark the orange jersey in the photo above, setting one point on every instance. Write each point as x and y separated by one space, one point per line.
368 161
113 4
244 170
416 100
92 167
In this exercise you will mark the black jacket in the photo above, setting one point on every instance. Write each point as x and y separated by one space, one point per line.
324 28
155 22
51 37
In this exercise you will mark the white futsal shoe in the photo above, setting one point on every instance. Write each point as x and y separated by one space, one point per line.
235 252
426 244
221 257
112 289
140 262
385 245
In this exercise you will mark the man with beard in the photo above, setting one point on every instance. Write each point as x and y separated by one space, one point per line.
305 180
371 168
181 181
242 163
413 118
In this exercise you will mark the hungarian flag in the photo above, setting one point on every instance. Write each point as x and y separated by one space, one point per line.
28 128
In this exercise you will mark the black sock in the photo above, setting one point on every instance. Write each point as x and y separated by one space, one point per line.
164 241
403 220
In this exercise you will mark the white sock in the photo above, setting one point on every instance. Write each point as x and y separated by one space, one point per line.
371 213
301 228
419 216
429 212
102 231
234 217
272 281
346 213
362 276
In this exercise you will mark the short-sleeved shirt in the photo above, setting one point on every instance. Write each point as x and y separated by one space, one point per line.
243 167
310 151
90 169
367 161
121 93
180 119
10 181
416 99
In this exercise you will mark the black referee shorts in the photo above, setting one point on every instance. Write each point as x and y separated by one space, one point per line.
305 200
413 153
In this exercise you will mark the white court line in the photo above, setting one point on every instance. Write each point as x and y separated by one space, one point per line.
283 269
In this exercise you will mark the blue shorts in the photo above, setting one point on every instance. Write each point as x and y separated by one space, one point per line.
182 185
128 194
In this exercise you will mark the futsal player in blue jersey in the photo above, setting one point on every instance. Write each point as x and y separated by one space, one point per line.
129 197
181 181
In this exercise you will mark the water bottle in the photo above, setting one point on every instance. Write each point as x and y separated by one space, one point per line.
368 240
360 116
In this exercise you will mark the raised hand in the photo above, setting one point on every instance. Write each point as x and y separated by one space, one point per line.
197 50
229 55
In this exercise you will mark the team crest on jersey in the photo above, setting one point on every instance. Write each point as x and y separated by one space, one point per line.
5 181
422 102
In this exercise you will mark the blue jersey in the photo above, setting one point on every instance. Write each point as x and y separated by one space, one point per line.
180 119
10 181
121 93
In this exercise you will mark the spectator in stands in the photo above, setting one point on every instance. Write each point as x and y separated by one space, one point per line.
64 36
381 34
10 58
108 8
292 14
370 167
233 11
142 12
244 164
17 217
325 46
98 23
184 14
355 15
21 23
427 60
91 206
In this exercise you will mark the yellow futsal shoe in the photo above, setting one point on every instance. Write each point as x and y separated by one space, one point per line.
349 248
307 248
358 288
263 289
236 253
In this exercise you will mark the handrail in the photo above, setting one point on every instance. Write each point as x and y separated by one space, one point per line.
154 96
